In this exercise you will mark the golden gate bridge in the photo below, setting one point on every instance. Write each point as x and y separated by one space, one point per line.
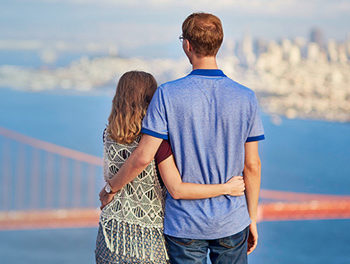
43 185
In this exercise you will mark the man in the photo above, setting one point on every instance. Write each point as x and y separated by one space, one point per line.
213 126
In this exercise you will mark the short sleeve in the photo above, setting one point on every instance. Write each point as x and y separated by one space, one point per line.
164 151
155 122
256 129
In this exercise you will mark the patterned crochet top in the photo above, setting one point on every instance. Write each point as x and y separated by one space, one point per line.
139 205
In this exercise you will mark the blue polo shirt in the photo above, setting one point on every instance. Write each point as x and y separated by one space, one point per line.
207 118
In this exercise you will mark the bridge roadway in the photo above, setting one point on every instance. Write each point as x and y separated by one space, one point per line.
81 218
274 206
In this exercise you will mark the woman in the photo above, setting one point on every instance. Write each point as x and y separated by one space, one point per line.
131 225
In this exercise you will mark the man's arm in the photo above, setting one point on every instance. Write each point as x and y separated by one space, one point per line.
134 165
137 162
252 178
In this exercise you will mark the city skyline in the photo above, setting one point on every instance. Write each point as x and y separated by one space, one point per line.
294 78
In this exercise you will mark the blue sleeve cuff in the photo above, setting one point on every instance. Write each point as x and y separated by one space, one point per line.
257 138
154 134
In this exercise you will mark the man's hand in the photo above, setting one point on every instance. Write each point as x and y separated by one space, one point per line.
253 237
105 198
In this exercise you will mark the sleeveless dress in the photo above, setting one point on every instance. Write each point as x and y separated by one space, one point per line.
131 226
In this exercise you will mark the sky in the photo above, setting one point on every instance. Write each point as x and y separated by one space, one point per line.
152 27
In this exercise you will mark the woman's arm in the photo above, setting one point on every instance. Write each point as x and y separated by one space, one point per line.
182 190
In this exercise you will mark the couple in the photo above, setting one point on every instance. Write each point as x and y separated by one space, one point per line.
197 133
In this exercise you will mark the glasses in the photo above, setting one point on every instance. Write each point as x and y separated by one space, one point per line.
181 38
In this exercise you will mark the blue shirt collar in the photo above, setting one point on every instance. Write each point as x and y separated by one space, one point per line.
208 72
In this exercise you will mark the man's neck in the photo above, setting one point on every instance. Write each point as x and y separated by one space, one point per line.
204 63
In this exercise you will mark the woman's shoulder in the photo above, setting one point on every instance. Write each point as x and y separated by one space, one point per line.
107 139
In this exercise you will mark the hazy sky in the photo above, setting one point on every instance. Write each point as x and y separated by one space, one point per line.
153 26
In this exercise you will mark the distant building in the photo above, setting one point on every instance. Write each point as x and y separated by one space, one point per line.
316 36
259 46
313 52
332 50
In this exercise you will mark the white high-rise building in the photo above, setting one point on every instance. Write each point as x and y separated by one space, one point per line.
294 56
247 47
313 51
332 50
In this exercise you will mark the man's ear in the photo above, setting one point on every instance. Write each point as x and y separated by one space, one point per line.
186 46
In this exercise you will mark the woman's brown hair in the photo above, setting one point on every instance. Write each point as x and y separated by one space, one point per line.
132 97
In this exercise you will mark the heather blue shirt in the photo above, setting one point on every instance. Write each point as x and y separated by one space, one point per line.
207 118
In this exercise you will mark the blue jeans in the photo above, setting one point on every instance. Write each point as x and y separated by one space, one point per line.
226 250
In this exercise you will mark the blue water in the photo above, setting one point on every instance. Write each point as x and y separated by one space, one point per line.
298 155
297 242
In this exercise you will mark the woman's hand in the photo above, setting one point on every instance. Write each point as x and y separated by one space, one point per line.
235 186
105 198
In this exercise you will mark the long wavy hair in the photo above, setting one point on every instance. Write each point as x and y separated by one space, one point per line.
132 97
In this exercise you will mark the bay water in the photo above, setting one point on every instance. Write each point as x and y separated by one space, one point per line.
297 155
